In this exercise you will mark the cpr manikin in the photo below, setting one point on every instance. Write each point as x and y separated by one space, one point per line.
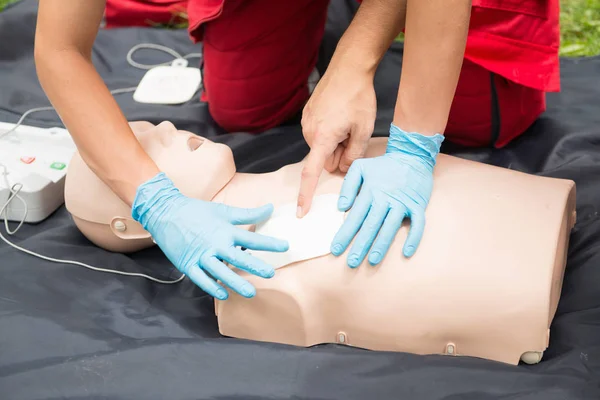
485 281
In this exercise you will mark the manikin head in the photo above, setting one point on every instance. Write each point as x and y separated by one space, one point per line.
199 168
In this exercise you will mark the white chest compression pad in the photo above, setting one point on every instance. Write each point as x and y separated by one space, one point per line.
308 237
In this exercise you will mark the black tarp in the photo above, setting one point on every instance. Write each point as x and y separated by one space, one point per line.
70 333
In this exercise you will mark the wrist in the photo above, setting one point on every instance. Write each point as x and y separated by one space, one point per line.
126 186
423 120
425 147
152 197
353 58
370 34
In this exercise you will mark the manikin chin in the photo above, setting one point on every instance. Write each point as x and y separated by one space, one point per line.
484 282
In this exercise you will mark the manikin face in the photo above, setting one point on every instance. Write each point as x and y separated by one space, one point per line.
199 167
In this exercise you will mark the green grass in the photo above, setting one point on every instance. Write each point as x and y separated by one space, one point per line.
179 20
579 20
580 28
4 3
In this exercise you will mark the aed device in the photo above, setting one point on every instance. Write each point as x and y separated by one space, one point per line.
33 163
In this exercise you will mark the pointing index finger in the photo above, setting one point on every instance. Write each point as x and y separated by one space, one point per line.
315 163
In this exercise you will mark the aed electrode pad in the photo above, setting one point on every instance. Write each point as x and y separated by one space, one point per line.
308 237
174 84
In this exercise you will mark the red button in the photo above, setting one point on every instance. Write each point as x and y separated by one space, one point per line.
27 160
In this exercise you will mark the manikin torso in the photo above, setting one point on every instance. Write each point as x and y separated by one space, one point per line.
485 281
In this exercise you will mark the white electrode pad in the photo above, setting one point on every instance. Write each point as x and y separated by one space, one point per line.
169 84
309 237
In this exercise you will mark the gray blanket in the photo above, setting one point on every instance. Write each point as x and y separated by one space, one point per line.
70 333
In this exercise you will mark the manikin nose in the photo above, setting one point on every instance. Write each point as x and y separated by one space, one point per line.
194 142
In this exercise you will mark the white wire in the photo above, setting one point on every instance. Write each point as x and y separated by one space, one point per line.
16 188
124 90
33 110
14 193
20 121
152 46
131 62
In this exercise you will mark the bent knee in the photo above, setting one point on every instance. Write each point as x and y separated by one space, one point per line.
489 110
253 104
258 57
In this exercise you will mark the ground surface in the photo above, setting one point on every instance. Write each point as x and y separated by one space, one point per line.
580 27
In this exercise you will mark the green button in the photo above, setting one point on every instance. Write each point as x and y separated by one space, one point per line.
58 165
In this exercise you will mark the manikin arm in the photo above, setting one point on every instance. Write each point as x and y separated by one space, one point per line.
63 49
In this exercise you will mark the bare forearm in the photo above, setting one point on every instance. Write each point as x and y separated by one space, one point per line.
97 125
435 40
373 28
63 51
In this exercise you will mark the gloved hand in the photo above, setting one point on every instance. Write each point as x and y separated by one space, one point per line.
395 185
197 235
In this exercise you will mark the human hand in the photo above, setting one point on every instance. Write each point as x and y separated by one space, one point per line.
337 123
395 185
197 236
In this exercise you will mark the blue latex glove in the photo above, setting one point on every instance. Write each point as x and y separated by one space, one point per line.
197 235
392 187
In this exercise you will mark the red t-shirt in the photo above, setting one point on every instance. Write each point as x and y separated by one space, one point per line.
517 39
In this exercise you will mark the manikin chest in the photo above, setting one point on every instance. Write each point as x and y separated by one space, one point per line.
484 282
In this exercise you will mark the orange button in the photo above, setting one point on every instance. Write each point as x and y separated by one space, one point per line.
27 160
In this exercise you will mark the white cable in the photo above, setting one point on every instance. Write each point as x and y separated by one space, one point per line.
16 188
14 193
156 47
131 62
33 110
20 121
124 90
